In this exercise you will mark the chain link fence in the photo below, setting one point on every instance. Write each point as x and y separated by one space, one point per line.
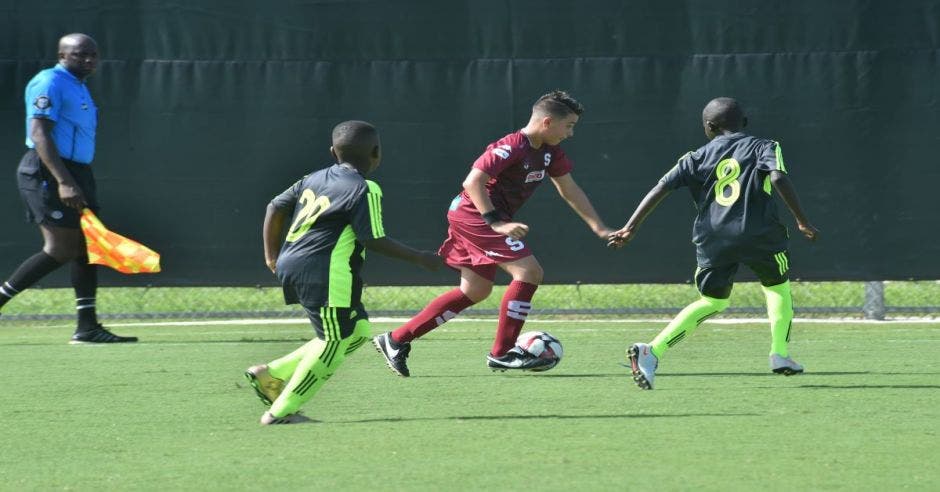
872 300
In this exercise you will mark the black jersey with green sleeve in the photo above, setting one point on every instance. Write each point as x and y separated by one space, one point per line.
335 210
729 179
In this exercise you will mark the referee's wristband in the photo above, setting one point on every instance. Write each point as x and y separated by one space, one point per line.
492 217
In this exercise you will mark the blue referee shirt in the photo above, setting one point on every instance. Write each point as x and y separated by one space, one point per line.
55 94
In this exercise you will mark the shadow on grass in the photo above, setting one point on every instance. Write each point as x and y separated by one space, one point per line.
804 375
870 386
767 374
490 374
460 418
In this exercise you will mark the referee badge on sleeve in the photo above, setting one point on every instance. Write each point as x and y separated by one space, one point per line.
42 102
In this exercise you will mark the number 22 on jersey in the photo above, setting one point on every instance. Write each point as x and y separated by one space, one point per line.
727 172
312 207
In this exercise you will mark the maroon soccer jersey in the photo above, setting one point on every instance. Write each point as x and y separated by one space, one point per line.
515 170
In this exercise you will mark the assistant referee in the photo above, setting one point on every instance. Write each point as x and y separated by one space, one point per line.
56 181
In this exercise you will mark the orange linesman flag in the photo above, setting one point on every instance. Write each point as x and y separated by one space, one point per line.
116 251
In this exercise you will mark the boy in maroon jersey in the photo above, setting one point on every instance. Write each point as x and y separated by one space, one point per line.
483 235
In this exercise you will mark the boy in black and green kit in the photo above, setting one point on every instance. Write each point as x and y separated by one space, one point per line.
335 215
732 180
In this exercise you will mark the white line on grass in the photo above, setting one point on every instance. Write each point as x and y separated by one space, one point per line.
737 321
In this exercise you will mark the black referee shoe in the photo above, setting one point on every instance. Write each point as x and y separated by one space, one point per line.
98 334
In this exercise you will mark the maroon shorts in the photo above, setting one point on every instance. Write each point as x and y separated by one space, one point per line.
479 248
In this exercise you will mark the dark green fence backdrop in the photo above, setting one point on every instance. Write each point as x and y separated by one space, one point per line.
210 108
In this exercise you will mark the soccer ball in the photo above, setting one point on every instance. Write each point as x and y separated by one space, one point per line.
542 345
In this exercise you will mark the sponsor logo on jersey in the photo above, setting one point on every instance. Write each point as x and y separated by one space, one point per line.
502 151
548 158
535 176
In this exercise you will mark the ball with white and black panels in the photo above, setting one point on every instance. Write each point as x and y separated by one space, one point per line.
542 345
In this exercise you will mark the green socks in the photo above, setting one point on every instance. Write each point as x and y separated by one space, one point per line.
284 367
780 312
314 363
685 323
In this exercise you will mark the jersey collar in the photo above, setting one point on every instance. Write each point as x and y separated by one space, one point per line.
730 135
59 68
348 167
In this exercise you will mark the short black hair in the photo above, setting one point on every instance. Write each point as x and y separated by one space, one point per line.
354 140
724 112
558 104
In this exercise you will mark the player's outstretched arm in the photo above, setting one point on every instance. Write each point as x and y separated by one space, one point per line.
787 192
643 210
581 204
475 185
272 233
394 249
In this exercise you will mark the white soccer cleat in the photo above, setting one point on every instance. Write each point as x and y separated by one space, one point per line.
784 365
292 418
643 364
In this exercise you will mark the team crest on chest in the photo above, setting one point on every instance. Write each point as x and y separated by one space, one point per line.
535 176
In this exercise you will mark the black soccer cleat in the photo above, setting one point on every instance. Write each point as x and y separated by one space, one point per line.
395 357
98 334
518 360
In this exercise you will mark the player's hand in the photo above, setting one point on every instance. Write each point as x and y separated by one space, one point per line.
808 231
430 261
71 195
604 233
272 264
619 238
515 230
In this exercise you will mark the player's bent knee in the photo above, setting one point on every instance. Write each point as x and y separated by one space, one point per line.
718 305
356 343
363 328
531 275
478 293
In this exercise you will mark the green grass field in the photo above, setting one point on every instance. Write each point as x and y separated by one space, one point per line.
173 412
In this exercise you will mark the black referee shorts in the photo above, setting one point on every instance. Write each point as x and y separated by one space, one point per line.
40 191
717 282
